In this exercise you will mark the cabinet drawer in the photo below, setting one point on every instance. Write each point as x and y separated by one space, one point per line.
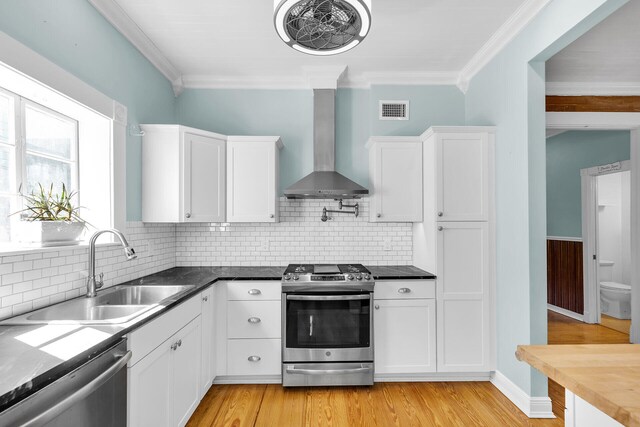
143 340
254 357
254 290
253 319
405 289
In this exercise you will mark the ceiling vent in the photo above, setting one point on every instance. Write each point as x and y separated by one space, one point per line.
394 110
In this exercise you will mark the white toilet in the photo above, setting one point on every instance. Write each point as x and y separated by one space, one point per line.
615 298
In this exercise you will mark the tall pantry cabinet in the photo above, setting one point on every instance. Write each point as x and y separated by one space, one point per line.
456 242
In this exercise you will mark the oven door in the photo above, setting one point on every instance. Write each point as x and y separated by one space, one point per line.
327 327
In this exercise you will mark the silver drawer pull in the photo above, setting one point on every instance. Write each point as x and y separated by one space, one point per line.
174 346
377 307
254 292
440 228
254 358
253 320
205 299
404 291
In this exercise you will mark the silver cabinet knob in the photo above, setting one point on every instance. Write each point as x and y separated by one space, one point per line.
272 216
174 346
379 215
440 228
377 307
188 215
205 298
254 320
254 292
440 214
179 343
404 291
254 358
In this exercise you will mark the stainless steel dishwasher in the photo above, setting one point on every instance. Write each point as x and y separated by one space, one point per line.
94 394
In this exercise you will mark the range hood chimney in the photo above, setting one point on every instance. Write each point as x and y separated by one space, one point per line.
324 182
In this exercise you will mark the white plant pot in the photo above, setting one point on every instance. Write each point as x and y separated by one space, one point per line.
50 233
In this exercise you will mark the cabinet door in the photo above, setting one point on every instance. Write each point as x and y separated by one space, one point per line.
186 372
462 176
405 336
397 182
151 389
204 179
463 294
208 372
251 181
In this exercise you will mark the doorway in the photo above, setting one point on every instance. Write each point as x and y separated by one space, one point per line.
606 223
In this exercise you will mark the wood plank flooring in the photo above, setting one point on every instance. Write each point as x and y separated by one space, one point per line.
619 325
390 404
384 404
565 330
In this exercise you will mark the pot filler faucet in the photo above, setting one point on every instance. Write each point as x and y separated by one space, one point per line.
92 284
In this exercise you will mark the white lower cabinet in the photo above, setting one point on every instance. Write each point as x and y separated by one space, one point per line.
165 370
404 328
249 329
165 384
208 372
254 357
580 413
464 318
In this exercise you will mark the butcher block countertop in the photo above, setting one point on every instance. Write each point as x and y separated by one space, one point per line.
605 375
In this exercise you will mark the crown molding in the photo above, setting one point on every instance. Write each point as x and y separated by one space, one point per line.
306 80
117 17
507 32
593 88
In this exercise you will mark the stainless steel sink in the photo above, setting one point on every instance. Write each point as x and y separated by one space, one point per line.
118 304
139 295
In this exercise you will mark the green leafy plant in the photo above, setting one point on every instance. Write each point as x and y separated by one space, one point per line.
43 205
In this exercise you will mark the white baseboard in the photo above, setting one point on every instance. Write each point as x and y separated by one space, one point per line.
248 379
533 407
566 312
433 377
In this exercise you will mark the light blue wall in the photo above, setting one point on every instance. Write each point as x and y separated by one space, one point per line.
72 34
567 153
289 113
509 93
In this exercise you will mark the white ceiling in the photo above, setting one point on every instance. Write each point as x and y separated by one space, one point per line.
215 43
604 61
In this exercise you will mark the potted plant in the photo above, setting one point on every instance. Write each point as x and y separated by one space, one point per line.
50 219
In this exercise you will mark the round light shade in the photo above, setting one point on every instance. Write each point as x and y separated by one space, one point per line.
322 27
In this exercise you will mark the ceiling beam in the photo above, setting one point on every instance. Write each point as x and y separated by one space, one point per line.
596 104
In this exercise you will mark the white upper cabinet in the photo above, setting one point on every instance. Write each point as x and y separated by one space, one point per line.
252 178
395 179
462 162
183 175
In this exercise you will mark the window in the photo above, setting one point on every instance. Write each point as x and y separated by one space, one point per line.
37 145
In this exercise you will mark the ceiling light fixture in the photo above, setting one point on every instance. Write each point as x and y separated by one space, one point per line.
322 27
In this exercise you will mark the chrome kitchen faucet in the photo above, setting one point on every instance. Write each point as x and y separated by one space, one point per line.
92 284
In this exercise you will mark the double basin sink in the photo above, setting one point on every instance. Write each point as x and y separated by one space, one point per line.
115 305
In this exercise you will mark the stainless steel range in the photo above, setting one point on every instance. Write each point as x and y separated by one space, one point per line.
327 325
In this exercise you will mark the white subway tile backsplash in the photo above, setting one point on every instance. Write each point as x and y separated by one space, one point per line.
41 277
300 236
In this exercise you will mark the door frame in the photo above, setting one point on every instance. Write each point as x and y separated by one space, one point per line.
590 254
615 121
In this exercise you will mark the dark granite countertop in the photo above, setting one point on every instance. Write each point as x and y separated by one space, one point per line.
27 363
391 272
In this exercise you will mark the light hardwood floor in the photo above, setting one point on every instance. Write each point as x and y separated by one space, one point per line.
461 404
389 404
619 325
565 330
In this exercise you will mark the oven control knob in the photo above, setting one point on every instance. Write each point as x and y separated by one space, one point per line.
350 276
359 276
296 277
287 276
367 277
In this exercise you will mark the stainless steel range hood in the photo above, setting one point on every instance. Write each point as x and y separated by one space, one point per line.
324 182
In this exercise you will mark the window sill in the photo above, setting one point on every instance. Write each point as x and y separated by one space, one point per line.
11 249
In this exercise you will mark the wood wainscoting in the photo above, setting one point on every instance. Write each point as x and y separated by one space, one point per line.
565 287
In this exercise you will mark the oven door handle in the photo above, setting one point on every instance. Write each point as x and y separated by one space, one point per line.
328 371
328 297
